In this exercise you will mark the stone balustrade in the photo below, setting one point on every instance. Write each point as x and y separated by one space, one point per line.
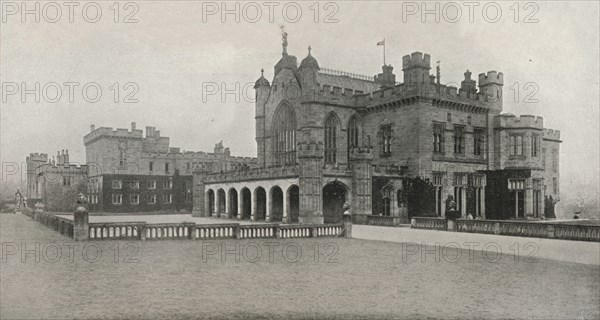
429 223
59 224
563 231
252 174
387 221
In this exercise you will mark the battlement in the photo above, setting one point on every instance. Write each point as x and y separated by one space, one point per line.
551 134
113 133
492 77
39 157
523 121
416 60
199 155
311 149
62 169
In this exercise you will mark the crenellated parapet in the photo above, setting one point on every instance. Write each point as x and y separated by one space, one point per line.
523 122
416 60
109 132
38 157
551 134
491 77
310 149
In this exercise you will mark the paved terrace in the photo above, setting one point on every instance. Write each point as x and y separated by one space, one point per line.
562 250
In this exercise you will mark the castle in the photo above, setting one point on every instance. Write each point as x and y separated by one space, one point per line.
326 138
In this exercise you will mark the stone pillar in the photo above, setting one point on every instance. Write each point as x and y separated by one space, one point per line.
528 201
269 206
199 206
463 207
483 203
310 159
253 205
361 159
286 207
81 224
227 205
240 205
216 212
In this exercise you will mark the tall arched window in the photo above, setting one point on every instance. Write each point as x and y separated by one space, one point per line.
388 196
331 127
354 133
284 135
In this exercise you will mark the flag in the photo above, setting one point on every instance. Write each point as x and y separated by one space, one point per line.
381 43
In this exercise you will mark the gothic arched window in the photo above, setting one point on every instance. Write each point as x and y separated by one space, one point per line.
354 133
284 135
331 127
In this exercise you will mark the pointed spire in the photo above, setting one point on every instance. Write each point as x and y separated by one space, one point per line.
309 48
262 72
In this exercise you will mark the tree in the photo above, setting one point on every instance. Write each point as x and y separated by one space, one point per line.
419 195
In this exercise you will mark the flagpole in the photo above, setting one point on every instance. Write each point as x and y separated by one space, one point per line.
384 51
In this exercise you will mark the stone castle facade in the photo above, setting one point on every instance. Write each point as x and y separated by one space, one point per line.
327 137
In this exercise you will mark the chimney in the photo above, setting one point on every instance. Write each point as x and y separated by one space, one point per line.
92 128
157 133
67 156
133 126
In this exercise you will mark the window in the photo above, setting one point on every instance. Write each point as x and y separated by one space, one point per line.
468 119
166 167
188 165
449 117
387 193
167 198
554 160
150 166
152 199
284 135
167 184
554 186
151 184
134 199
535 145
438 137
117 198
66 181
354 127
516 145
331 126
117 184
134 184
386 140
478 141
459 139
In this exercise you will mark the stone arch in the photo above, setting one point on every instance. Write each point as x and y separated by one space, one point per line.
276 204
246 206
335 194
260 204
283 130
388 196
221 200
210 202
233 203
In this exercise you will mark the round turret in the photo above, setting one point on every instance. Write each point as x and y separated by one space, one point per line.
309 62
262 82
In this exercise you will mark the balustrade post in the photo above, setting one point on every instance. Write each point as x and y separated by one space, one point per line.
551 231
142 231
497 228
81 224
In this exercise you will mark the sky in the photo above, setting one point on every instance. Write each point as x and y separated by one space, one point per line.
172 60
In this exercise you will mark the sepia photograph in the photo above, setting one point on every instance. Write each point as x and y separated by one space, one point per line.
310 159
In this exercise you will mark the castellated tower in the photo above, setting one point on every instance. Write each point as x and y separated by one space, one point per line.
33 161
490 85
261 88
416 68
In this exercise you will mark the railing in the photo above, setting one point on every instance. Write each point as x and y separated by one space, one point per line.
476 226
562 231
173 231
344 73
375 220
577 232
429 223
275 172
59 224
